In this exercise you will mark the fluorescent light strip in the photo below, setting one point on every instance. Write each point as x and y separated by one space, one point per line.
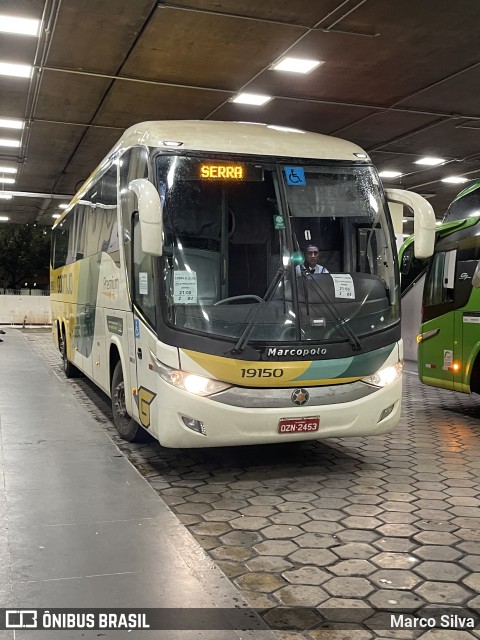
56 215
6 123
296 65
4 142
8 170
16 70
389 174
455 180
4 180
431 162
251 98
22 26
5 196
4 219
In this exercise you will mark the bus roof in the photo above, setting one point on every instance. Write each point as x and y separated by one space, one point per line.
249 138
475 185
239 137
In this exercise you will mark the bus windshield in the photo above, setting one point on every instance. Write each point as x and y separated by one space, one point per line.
286 251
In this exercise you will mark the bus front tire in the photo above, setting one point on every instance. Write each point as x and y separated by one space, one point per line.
126 426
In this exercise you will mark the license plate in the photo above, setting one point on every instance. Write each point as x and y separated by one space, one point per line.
298 425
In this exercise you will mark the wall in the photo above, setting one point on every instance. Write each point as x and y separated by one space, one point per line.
14 308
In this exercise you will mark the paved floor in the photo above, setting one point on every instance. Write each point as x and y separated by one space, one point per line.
388 521
79 526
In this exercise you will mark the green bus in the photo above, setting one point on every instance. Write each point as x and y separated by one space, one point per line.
449 337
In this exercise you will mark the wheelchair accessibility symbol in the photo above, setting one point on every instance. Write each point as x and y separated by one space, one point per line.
295 176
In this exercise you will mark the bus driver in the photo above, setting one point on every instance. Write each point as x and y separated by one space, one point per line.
311 253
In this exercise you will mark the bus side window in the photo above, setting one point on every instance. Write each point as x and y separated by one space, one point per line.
143 275
61 236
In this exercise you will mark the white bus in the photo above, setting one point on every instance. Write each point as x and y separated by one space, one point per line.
178 285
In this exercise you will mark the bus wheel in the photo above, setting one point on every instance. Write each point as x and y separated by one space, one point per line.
69 369
126 426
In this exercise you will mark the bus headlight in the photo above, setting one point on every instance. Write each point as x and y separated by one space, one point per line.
385 376
191 382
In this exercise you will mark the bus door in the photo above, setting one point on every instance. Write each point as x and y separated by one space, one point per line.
440 346
144 322
467 305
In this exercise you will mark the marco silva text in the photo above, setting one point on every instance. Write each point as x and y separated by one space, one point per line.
443 621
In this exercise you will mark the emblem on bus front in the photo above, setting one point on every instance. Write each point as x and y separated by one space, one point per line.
300 397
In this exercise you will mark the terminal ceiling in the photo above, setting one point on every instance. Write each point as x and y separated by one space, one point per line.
399 78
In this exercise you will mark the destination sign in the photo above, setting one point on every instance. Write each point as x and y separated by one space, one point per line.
221 171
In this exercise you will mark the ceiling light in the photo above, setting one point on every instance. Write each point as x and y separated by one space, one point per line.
22 26
455 179
11 124
62 206
4 180
4 142
56 215
297 65
4 218
431 162
17 70
389 174
5 196
251 98
8 169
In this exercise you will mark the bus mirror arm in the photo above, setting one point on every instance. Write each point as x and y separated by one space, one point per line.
424 219
150 215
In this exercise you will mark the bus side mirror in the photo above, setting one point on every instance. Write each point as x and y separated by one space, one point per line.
150 215
424 220
476 276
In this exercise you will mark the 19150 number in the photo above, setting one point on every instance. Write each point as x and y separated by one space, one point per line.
262 373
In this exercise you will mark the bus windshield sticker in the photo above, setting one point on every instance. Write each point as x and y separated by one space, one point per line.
185 287
143 283
295 176
344 287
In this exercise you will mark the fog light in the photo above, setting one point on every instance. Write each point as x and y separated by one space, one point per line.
194 425
386 412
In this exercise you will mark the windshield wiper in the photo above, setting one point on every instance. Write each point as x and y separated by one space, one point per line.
342 322
242 342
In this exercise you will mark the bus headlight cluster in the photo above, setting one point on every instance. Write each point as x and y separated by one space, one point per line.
191 382
385 376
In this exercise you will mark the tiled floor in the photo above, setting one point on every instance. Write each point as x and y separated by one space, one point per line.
323 528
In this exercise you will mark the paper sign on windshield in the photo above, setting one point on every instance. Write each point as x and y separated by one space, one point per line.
344 287
185 287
